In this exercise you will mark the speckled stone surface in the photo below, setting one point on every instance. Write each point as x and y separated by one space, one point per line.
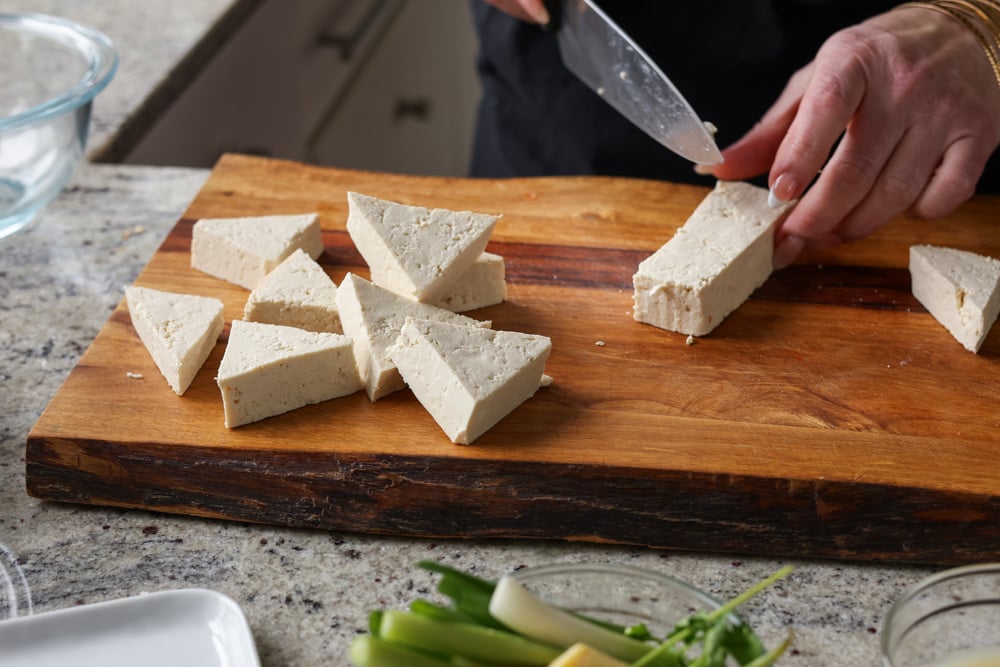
305 593
160 45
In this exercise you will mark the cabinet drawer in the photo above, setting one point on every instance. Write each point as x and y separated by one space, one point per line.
266 89
411 108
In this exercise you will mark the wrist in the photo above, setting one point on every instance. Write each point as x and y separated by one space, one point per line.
980 18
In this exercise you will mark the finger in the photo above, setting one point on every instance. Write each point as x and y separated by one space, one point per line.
753 153
835 90
909 179
901 182
849 176
532 11
954 180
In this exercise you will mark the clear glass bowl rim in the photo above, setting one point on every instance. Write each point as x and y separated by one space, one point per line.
620 570
96 48
918 588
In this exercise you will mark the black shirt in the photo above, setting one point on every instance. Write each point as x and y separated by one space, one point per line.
730 59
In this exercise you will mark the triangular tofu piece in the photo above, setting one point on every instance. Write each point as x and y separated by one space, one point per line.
373 317
244 250
469 379
712 264
178 330
269 369
482 284
959 288
297 293
413 250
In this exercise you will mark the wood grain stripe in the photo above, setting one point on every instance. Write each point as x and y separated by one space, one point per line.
561 265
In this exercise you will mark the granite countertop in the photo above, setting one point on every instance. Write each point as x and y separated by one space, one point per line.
306 593
161 46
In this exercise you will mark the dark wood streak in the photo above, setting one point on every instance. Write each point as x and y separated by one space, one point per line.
612 269
846 428
454 497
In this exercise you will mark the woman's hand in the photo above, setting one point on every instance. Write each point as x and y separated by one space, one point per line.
914 102
532 11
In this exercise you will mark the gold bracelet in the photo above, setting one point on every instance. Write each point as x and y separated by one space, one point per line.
961 10
986 28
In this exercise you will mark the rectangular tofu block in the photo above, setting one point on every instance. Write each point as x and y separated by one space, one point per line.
712 264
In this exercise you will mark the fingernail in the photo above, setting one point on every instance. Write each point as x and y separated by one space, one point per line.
703 169
540 14
782 190
788 249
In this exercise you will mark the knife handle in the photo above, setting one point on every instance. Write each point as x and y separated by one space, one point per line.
555 9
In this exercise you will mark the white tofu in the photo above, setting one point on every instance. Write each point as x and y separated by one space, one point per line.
469 379
244 250
178 330
297 293
373 317
269 369
959 288
482 284
712 264
416 251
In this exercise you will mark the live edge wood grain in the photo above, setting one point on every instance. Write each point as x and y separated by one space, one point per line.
830 416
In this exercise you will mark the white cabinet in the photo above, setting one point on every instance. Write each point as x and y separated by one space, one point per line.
412 107
374 84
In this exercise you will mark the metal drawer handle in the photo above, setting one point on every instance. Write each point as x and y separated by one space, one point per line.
347 43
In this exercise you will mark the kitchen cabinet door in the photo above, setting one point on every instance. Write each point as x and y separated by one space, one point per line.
411 108
271 84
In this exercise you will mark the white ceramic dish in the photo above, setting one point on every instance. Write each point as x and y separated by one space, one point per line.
190 627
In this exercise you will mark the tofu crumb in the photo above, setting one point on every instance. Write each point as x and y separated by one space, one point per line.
689 340
129 233
599 343
546 380
711 128
134 376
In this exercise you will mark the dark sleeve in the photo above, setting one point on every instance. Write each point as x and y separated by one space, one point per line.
729 59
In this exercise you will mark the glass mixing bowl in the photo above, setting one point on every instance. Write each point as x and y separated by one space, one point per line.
618 594
50 71
951 619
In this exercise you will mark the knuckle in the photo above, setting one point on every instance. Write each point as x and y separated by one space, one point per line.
949 192
854 171
898 191
831 92
808 223
857 227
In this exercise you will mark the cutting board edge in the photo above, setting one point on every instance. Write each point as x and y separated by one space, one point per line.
445 497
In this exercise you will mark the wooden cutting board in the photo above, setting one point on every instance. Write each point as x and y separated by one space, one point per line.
829 416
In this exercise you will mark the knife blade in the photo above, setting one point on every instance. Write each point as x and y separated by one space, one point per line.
611 64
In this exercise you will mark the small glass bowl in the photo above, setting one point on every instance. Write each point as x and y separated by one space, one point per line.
618 594
51 71
949 619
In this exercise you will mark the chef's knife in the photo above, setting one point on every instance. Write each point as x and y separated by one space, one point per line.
601 55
